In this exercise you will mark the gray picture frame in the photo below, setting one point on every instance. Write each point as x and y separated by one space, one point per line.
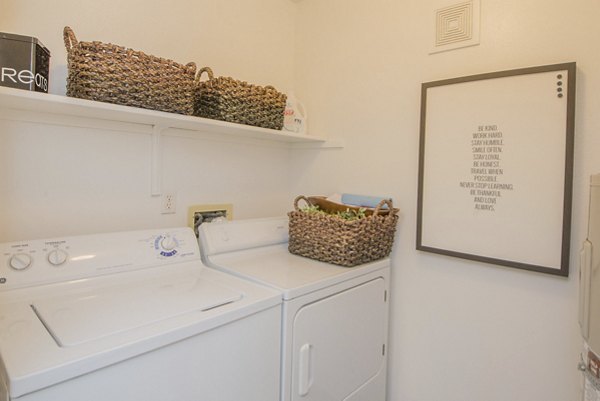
482 137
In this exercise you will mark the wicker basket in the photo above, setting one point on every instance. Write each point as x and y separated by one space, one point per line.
332 207
331 239
114 74
227 99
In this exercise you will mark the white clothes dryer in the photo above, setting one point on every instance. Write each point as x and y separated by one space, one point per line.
335 319
132 316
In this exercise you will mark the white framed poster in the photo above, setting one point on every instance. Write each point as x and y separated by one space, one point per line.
496 167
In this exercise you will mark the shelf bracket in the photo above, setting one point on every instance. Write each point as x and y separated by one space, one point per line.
156 160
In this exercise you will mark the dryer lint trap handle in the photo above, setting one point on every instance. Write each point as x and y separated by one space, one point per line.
305 376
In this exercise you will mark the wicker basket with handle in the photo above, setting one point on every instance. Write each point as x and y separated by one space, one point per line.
228 99
114 74
331 239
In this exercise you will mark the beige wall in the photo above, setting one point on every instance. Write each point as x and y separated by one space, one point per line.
252 40
68 180
461 331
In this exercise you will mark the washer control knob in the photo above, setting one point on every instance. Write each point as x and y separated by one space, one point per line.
57 257
20 261
168 243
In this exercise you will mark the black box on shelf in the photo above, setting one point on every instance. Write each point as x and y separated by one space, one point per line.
24 62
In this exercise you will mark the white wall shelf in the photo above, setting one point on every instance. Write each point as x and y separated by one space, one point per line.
61 105
18 104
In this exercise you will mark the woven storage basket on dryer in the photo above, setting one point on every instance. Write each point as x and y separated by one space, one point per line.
227 99
331 239
113 74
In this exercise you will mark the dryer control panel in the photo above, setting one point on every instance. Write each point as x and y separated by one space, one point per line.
34 262
228 236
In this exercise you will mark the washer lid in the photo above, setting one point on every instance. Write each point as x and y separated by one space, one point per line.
84 316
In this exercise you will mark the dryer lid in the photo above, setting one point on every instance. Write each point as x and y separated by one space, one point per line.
84 316
294 275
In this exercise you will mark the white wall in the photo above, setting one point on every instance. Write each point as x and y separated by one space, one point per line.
57 180
461 330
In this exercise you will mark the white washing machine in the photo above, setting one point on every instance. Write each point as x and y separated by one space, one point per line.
335 319
132 316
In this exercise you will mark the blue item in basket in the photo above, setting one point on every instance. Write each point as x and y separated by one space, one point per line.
363 200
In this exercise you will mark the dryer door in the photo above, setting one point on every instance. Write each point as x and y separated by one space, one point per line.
338 343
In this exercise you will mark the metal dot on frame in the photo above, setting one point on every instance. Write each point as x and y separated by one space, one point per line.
560 95
559 89
559 83
559 76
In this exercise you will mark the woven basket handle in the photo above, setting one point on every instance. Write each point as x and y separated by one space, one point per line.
202 70
387 202
298 199
69 38
191 66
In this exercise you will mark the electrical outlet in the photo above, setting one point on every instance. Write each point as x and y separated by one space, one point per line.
198 214
168 202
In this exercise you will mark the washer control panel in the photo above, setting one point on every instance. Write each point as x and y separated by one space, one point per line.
34 262
166 245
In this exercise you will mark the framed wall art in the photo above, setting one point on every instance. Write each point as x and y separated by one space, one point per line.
496 167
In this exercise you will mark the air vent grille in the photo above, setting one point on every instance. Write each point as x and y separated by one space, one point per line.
456 26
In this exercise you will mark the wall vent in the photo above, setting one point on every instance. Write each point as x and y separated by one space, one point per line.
456 26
